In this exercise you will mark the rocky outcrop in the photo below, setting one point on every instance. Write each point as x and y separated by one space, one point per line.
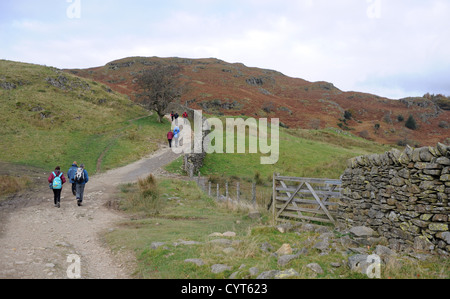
255 81
8 85
64 83
217 105
402 195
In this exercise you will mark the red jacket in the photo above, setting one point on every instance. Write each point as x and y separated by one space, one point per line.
52 177
170 135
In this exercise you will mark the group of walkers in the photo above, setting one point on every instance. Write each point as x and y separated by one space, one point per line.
175 134
175 116
78 177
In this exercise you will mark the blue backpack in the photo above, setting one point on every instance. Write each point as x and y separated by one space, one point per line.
57 182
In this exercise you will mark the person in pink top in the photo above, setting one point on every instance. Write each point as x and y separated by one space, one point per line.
56 181
169 138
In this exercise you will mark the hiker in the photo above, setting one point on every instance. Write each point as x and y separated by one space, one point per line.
71 175
56 181
185 115
176 116
169 138
81 178
176 135
172 115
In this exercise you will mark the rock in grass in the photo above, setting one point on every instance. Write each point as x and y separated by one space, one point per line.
219 268
285 249
362 231
286 259
229 234
253 271
156 245
268 274
198 262
315 268
286 274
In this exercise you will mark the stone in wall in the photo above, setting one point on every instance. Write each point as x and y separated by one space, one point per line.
403 195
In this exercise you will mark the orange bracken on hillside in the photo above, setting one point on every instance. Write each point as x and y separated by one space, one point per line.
218 87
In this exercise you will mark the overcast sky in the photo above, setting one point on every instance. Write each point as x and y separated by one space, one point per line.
392 48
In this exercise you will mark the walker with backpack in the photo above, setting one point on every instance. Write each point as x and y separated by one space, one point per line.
79 176
57 182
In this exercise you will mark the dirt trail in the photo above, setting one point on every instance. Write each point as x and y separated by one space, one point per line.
36 240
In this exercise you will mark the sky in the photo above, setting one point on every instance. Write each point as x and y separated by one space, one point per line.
391 48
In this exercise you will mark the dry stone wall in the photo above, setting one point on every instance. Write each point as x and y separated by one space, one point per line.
403 195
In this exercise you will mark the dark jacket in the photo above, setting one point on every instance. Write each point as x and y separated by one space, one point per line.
71 173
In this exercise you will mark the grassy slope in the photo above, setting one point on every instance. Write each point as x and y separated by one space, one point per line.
45 126
189 215
303 153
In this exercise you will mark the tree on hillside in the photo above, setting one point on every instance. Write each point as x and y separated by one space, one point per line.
159 87
411 123
377 128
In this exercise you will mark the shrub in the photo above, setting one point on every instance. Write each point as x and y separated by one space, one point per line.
364 134
348 114
9 185
377 127
444 125
257 179
411 123
148 199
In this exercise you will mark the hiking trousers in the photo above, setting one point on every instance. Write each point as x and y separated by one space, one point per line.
57 195
74 189
80 191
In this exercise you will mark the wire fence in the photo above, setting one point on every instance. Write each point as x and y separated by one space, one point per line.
236 191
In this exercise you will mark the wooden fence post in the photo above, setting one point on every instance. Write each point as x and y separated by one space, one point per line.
274 198
217 192
209 189
254 194
226 191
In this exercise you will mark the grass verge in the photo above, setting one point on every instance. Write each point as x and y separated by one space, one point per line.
188 219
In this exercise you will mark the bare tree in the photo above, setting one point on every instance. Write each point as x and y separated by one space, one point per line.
159 87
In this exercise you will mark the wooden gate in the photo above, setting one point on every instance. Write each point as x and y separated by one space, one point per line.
305 199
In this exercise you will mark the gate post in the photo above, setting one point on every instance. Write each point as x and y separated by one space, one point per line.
274 197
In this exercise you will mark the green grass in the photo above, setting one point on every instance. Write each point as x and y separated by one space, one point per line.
45 126
303 153
189 215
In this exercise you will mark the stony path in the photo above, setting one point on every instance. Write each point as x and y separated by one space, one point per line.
36 240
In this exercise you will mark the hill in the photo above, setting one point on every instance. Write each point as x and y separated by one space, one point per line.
222 88
52 118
